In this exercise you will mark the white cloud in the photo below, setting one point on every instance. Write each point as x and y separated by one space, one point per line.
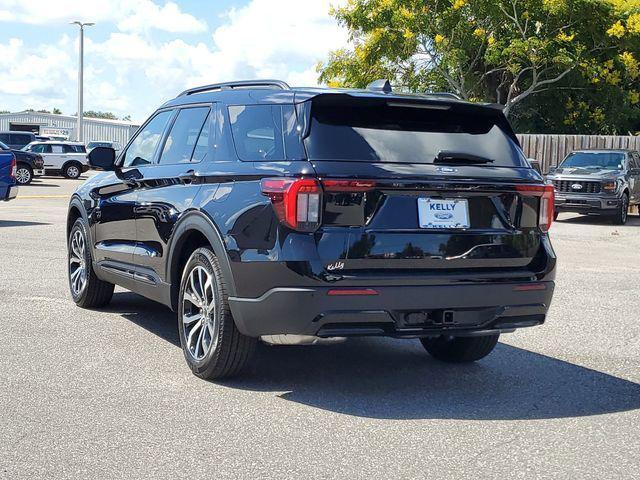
132 72
130 15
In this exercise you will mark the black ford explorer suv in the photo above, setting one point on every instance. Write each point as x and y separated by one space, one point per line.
259 211
601 182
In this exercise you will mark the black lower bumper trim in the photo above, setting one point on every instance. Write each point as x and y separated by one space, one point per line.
409 311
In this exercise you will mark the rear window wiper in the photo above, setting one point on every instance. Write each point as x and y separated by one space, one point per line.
460 158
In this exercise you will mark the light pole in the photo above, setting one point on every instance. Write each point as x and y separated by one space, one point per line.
81 77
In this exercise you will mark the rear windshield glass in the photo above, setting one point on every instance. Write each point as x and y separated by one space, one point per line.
606 160
398 132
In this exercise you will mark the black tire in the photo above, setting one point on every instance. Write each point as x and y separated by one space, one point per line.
460 349
229 351
555 215
95 293
24 174
621 215
72 170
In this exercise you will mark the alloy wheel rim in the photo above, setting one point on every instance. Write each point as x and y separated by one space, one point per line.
73 172
23 175
199 313
77 263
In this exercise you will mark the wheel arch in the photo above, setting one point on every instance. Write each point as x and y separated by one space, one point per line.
195 230
69 162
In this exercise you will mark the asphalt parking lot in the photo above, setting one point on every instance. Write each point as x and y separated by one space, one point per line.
107 394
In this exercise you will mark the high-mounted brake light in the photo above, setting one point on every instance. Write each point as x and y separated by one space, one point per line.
296 201
547 198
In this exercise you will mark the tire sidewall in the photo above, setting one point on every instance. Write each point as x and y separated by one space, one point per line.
65 171
22 166
204 258
79 225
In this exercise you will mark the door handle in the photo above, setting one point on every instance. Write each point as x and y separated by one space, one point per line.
187 177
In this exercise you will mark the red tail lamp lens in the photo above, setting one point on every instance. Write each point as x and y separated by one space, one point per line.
296 201
547 199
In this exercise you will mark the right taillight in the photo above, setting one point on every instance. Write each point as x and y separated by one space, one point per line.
547 198
296 201
14 168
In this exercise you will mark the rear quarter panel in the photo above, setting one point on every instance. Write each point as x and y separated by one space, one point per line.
6 159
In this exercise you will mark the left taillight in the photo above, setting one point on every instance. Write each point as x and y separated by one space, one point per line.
14 168
547 199
296 201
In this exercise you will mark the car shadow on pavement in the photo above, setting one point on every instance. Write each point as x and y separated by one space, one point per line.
19 223
632 220
396 379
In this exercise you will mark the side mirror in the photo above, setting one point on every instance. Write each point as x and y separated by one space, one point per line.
102 158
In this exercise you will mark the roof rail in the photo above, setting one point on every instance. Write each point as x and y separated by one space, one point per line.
381 85
239 84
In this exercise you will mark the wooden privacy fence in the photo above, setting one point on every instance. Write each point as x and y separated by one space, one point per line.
551 149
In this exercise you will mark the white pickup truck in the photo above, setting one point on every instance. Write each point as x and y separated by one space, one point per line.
61 158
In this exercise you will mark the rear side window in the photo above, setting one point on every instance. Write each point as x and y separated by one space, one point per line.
20 139
74 149
188 138
265 132
380 130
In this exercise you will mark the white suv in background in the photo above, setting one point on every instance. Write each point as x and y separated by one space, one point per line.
61 158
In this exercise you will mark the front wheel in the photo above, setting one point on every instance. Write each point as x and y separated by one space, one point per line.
87 290
24 174
460 349
212 345
72 170
620 217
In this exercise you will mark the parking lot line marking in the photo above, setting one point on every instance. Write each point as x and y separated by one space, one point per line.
42 196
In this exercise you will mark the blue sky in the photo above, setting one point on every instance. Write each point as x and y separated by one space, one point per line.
142 52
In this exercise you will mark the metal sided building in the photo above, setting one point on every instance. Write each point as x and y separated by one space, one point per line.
95 129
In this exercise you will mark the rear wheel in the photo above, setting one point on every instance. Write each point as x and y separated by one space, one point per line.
460 349
211 343
72 170
87 290
620 217
24 174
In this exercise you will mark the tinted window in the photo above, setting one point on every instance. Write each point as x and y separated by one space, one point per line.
3 146
604 160
374 130
4 138
265 132
74 149
40 148
20 138
143 147
189 132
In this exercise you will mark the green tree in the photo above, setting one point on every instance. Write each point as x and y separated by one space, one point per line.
510 52
57 111
98 114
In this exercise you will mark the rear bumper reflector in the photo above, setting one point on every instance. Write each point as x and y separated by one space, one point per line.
529 287
352 291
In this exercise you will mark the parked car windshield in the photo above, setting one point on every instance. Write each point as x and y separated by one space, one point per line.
400 132
603 160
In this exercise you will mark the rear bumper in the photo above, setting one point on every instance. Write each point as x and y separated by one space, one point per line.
398 311
586 203
10 193
38 172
